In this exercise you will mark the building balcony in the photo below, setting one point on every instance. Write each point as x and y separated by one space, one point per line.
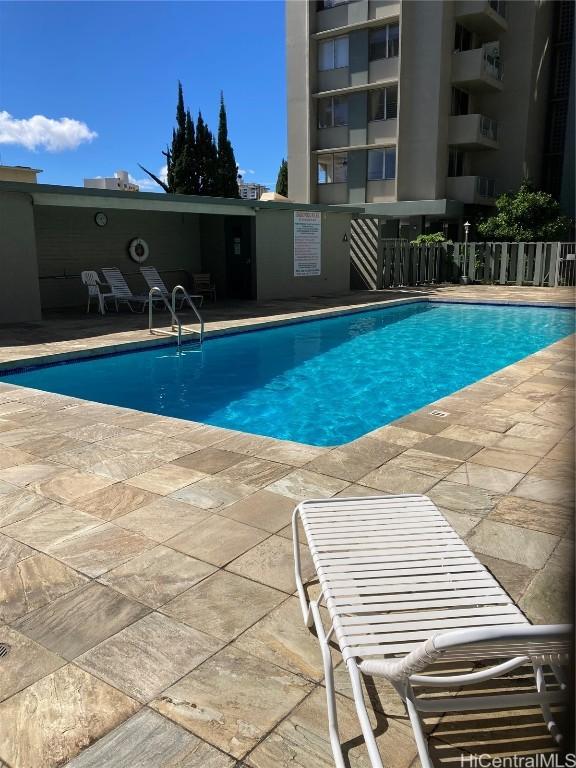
472 132
486 17
474 190
479 69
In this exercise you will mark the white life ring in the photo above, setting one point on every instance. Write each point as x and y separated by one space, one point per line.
138 250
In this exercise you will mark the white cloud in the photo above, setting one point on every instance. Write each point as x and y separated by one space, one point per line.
40 132
244 171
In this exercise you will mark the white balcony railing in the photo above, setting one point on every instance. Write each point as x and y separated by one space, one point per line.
491 62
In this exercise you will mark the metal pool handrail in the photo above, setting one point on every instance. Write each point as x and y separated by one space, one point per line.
175 320
181 289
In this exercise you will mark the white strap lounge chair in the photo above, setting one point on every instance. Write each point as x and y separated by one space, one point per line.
153 280
95 290
121 290
403 593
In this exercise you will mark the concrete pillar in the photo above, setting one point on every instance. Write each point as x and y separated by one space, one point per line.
19 286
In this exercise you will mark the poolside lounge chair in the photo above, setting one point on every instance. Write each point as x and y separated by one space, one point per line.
121 290
94 286
203 285
153 280
404 592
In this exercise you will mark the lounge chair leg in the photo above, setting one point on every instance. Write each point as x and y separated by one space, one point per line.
329 681
409 699
546 711
306 613
365 723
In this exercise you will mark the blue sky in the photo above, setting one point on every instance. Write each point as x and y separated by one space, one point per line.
112 69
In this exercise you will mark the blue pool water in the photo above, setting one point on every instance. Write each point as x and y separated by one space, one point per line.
324 382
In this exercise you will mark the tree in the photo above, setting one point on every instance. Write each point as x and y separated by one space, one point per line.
527 215
195 165
227 170
282 180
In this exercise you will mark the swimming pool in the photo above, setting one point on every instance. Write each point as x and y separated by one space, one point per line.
323 382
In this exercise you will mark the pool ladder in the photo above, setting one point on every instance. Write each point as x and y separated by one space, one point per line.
176 328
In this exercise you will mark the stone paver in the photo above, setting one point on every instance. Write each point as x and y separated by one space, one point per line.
156 553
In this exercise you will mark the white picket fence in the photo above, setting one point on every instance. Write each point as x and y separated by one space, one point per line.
548 264
541 264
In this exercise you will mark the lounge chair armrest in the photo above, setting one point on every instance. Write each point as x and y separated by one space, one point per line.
527 634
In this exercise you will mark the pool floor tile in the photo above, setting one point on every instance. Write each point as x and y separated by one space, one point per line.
148 656
148 740
489 478
301 484
264 509
12 551
157 575
20 504
467 499
52 720
28 663
213 492
163 518
425 463
536 515
395 479
510 542
283 639
69 485
442 445
272 563
254 472
302 741
97 550
52 527
114 500
217 539
165 479
76 622
232 700
32 583
209 461
223 605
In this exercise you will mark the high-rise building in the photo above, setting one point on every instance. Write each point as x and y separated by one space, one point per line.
422 110
120 181
251 190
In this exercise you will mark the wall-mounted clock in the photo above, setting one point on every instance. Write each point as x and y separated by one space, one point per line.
101 219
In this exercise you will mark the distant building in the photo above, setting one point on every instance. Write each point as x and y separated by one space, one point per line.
251 191
19 173
120 181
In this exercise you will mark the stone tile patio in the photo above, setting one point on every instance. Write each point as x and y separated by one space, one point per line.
146 586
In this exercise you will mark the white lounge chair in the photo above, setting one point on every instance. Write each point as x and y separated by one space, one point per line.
153 280
95 290
404 592
121 290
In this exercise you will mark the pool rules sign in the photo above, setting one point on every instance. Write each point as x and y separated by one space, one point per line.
307 243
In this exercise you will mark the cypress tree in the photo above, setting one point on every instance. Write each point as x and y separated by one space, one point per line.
191 186
282 180
177 167
226 169
203 169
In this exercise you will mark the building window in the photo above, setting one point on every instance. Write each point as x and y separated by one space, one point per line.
455 162
323 4
333 168
333 112
333 53
460 102
382 164
384 42
462 39
384 103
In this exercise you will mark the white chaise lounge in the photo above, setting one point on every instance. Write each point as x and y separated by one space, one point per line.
404 592
122 292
